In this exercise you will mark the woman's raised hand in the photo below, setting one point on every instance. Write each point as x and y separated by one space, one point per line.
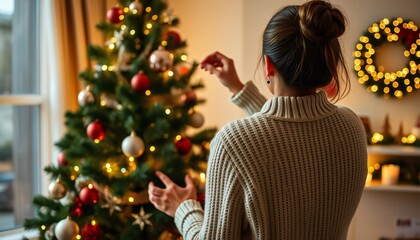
224 68
169 198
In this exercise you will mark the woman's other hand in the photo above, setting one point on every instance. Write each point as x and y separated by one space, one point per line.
169 198
224 68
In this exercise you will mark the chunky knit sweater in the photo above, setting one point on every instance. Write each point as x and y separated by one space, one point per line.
293 170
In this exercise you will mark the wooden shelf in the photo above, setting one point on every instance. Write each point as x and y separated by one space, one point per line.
394 150
377 186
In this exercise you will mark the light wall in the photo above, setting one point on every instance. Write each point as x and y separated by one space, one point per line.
235 27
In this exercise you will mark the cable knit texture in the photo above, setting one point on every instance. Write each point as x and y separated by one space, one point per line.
294 170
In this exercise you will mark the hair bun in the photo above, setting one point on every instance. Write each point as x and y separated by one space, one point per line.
320 21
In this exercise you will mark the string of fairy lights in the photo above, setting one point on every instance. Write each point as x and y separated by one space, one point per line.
392 84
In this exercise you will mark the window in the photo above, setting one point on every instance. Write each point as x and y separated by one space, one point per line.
21 111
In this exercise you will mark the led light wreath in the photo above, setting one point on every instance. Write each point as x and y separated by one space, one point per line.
389 84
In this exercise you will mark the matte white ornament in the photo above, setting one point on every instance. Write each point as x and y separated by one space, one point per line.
133 146
66 229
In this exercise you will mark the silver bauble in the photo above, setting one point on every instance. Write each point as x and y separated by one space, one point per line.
136 7
196 119
57 189
160 60
85 97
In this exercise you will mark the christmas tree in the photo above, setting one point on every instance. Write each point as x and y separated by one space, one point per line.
137 114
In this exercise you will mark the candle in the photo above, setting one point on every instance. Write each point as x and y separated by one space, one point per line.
390 174
368 179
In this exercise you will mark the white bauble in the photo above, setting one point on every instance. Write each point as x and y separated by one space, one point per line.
66 229
85 97
132 146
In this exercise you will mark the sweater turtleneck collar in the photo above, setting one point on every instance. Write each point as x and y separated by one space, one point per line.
299 108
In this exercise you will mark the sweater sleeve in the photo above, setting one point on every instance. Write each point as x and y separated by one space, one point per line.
249 99
224 209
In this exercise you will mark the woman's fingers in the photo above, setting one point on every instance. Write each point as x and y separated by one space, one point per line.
165 179
153 190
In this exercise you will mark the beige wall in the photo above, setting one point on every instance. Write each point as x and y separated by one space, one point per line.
235 27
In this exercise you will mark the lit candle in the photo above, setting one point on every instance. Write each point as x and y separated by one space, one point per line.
390 174
368 179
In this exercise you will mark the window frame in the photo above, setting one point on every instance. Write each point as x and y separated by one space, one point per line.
42 101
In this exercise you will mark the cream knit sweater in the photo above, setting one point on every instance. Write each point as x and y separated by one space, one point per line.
293 170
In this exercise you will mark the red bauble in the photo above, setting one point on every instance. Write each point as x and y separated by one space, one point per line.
92 232
172 38
189 97
89 196
183 145
114 15
140 82
96 130
61 159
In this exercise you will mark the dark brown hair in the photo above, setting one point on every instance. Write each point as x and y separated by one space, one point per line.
302 42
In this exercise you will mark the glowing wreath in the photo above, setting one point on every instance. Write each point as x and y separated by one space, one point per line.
389 84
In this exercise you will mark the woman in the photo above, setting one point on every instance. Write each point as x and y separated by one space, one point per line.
295 168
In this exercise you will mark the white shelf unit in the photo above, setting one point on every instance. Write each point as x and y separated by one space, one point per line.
380 206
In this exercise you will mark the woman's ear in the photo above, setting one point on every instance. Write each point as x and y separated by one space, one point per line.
269 67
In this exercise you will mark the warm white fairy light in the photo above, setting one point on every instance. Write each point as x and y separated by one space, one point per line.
152 148
390 84
184 57
76 168
147 92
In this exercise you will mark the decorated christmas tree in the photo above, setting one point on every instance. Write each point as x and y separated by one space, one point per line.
137 114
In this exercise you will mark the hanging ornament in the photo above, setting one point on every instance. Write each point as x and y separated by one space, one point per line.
61 159
140 82
92 231
115 15
133 146
196 119
136 7
81 182
142 219
85 97
183 145
66 229
172 38
96 131
111 201
49 233
57 189
189 97
170 234
77 209
160 60
89 195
